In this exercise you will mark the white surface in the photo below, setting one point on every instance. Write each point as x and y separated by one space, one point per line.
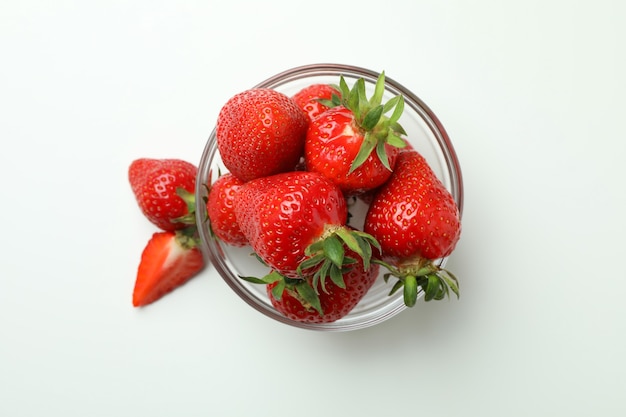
532 94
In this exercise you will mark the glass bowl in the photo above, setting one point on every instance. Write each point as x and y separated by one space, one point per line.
425 133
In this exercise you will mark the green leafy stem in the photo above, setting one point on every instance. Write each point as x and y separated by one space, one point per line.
436 282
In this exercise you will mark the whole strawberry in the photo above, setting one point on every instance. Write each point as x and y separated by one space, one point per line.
416 221
164 190
296 223
354 143
221 213
309 99
260 132
295 299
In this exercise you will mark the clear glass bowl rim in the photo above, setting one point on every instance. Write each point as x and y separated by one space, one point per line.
208 245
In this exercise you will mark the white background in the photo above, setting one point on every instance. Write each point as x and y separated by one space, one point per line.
531 93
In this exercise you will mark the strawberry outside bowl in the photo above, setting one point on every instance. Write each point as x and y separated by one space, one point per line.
425 133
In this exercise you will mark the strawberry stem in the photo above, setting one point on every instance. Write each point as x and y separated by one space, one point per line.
435 282
410 290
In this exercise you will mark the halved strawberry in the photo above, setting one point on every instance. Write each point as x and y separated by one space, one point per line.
169 260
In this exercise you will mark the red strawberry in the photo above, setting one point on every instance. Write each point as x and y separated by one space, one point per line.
354 144
296 223
291 297
416 221
260 132
220 208
169 260
308 99
164 190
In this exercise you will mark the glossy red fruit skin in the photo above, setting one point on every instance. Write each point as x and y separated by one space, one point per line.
260 132
336 302
154 183
281 215
221 212
413 215
307 99
333 141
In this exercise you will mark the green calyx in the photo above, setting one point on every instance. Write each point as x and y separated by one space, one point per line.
370 114
190 200
301 289
187 237
435 282
328 259
325 259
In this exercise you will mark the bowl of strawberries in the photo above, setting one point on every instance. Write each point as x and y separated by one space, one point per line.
329 197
